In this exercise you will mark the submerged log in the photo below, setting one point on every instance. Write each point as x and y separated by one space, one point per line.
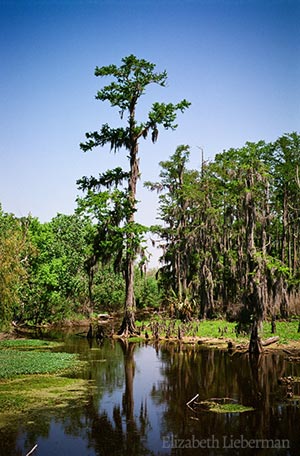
217 405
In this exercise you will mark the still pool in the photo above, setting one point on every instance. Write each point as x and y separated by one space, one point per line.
136 404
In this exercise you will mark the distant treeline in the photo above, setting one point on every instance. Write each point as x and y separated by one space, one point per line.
230 236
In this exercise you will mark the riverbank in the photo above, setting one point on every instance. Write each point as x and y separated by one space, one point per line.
217 333
220 333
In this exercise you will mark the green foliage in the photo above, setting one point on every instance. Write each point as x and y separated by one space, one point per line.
130 82
14 249
44 266
218 329
109 290
147 292
216 407
57 284
230 231
212 329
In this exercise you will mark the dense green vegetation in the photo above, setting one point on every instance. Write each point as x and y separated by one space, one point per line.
27 344
231 246
16 362
231 232
45 274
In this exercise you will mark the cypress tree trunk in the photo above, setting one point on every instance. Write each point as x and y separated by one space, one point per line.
255 346
128 323
256 286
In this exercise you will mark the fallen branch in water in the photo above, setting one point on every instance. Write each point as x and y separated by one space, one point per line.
32 450
270 341
192 400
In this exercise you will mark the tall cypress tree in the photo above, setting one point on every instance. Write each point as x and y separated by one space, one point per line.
129 82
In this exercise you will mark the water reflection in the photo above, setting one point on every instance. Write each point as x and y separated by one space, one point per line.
115 427
137 405
252 382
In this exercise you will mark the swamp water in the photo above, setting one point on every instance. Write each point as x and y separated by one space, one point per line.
135 404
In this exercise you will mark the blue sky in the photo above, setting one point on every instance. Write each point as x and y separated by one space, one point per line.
237 61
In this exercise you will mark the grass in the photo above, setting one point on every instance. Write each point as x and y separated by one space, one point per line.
135 339
286 330
220 329
204 328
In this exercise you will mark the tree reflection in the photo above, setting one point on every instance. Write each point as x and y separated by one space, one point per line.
125 433
189 370
110 367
